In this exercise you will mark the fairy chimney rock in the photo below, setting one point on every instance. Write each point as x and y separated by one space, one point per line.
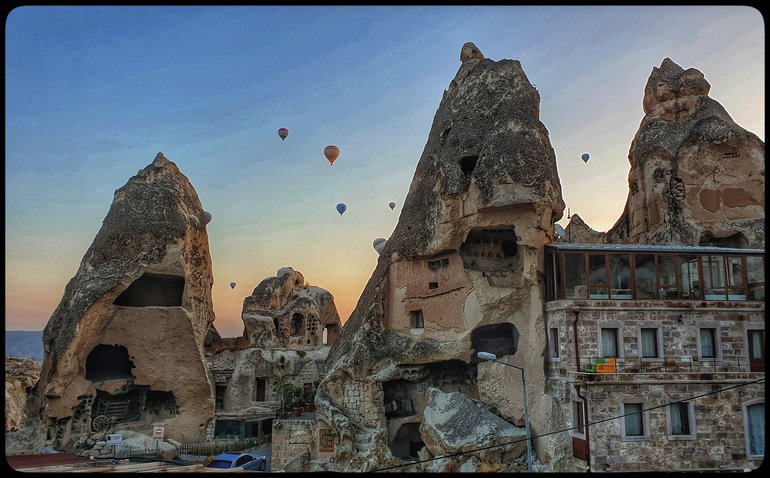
283 311
132 321
696 178
458 275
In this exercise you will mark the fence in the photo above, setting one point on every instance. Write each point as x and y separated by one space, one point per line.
673 364
221 446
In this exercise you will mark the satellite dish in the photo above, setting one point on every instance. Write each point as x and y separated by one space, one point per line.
585 157
559 230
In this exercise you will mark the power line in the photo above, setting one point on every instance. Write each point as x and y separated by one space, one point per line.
586 424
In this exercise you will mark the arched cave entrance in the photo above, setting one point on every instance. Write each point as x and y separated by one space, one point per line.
108 362
499 339
158 290
737 240
407 442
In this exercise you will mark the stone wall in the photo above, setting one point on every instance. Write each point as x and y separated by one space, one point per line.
291 439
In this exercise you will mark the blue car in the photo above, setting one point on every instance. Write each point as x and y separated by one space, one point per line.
238 460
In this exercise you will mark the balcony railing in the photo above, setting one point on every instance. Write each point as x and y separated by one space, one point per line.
670 364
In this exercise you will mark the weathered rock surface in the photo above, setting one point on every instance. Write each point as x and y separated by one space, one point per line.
20 376
454 423
134 317
578 231
458 275
284 312
696 177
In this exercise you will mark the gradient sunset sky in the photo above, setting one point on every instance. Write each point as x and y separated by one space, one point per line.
93 93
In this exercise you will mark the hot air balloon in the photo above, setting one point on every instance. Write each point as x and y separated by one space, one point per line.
585 157
232 285
379 244
331 152
341 207
392 205
559 230
283 133
206 217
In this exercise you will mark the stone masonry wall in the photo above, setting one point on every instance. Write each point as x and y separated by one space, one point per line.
291 439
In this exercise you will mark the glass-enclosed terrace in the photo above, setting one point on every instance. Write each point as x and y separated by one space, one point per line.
642 272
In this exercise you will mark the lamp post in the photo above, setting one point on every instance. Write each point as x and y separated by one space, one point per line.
493 358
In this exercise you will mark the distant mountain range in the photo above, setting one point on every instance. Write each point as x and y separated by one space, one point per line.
25 344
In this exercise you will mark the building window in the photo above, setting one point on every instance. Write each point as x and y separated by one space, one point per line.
553 342
644 267
609 346
754 426
681 421
578 420
635 425
707 339
650 343
432 285
416 319
756 349
575 276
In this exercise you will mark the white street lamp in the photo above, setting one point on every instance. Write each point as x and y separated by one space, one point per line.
493 358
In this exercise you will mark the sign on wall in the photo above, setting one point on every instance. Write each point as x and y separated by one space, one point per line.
326 438
158 432
114 439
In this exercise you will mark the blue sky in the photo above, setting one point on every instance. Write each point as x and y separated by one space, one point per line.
93 93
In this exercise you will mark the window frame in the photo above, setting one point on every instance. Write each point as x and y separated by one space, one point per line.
660 357
645 436
746 430
554 346
693 435
618 338
578 405
413 322
717 342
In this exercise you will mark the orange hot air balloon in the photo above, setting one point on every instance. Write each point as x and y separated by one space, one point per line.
283 133
331 152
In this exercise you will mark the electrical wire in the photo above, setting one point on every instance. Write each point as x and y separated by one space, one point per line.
586 424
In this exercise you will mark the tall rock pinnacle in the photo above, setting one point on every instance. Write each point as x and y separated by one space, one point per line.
132 321
697 178
458 275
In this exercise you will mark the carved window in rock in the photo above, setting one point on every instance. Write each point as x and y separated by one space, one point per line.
491 249
297 325
468 164
313 337
416 320
731 154
259 390
153 290
108 362
499 339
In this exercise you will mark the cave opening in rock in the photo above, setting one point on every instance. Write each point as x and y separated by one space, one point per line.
137 403
491 249
297 325
158 290
499 339
468 164
407 442
398 398
108 362
737 240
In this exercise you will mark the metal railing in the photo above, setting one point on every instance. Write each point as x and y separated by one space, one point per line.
218 446
672 364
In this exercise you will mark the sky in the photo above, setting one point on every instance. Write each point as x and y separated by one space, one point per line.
92 94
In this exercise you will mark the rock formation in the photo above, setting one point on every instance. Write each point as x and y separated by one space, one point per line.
578 231
283 312
125 344
285 324
458 275
20 376
696 177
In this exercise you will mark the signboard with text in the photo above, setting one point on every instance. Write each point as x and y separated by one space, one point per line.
326 440
114 439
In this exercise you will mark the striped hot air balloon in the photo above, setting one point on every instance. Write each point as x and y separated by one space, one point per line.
331 152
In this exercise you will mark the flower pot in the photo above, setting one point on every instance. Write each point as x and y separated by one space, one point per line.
310 406
296 411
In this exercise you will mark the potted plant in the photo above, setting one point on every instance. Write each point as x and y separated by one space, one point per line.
308 395
297 402
284 391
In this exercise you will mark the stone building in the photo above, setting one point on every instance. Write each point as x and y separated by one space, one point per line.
626 336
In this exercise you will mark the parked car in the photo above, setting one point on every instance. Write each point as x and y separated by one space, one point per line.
238 460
